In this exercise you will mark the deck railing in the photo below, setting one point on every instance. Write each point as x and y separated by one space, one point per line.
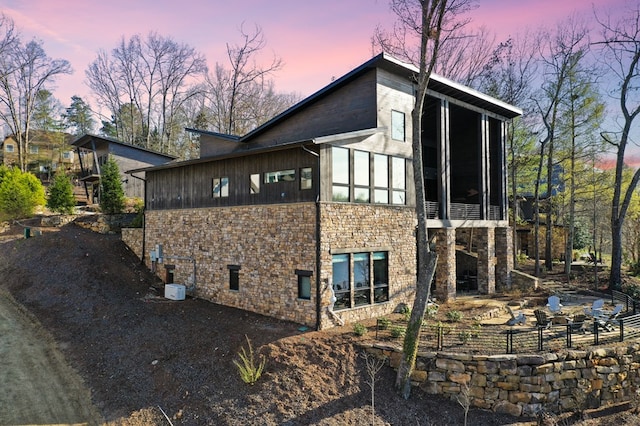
461 211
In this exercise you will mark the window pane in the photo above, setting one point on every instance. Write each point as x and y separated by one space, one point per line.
224 187
398 173
340 165
380 171
9 148
304 287
255 183
306 178
280 176
361 195
361 278
234 279
341 285
340 193
399 197
216 187
397 125
381 196
361 168
380 277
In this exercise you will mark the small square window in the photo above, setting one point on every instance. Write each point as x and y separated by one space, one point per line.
397 126
9 147
34 149
220 187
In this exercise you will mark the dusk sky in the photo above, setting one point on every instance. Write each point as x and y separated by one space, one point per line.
316 40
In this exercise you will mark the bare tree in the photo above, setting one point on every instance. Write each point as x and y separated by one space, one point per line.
241 97
25 71
153 77
620 53
431 23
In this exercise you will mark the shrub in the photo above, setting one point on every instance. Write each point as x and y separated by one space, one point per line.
20 193
111 192
250 370
397 331
359 329
431 311
383 323
61 198
454 316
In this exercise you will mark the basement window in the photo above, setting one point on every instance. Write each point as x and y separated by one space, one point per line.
234 277
353 275
304 284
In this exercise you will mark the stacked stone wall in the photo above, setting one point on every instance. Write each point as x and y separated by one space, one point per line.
367 227
132 237
268 243
523 385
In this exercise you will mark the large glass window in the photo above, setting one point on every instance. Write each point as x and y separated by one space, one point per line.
341 281
220 187
367 268
340 173
381 179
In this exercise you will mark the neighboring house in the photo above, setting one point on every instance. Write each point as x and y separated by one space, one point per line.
311 217
47 152
94 151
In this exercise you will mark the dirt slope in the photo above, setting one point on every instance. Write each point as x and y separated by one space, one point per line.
143 357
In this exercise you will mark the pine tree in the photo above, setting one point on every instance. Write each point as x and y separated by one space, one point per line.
61 198
112 194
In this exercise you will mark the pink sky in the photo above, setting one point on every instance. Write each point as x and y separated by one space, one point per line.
317 40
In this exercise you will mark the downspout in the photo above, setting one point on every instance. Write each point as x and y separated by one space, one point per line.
318 283
144 219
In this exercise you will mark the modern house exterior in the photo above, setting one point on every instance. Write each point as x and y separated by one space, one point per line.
311 217
94 151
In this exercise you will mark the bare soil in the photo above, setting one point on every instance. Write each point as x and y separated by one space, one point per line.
89 339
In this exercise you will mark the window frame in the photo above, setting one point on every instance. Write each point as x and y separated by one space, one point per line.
302 275
223 183
9 147
234 277
370 293
398 126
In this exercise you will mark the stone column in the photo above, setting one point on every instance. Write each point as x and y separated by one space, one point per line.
446 268
486 260
504 258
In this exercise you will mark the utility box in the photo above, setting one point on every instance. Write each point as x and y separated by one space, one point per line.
174 291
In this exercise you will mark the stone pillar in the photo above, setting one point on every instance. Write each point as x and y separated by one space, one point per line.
504 258
486 260
446 268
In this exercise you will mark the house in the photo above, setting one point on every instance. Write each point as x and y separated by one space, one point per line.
311 216
47 152
94 151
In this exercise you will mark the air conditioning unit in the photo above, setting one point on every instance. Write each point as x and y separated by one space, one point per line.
174 291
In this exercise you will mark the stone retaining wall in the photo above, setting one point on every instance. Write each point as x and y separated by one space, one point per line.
132 237
522 385
522 281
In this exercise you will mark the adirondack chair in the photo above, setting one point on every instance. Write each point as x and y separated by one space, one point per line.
595 309
516 317
542 319
578 323
607 320
554 304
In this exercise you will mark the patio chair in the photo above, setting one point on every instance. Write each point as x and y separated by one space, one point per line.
579 323
554 304
516 317
542 319
607 320
595 309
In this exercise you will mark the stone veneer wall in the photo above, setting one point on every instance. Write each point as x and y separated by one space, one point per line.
525 384
267 242
369 227
132 237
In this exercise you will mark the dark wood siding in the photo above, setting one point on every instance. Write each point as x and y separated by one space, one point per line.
191 186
